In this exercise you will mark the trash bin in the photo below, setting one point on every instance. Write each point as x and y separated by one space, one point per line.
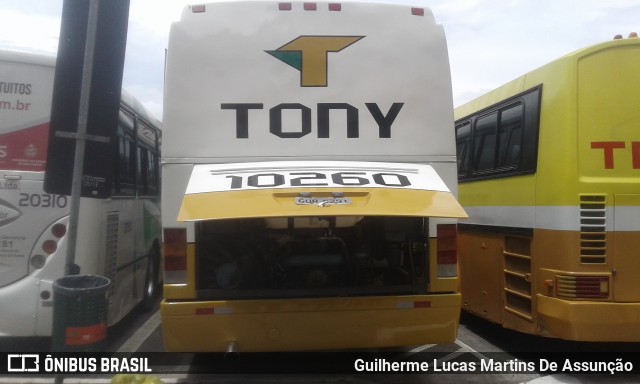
80 313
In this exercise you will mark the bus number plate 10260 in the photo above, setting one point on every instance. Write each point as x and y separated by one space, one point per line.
317 179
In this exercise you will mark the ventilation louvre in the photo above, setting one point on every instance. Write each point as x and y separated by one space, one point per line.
111 249
593 228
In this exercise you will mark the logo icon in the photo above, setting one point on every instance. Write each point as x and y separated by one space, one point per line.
8 212
309 55
23 363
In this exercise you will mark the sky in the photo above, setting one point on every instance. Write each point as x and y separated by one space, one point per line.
490 42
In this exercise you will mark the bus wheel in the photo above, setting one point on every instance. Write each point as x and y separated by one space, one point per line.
151 282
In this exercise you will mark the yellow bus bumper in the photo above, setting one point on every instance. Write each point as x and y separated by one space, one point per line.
309 324
588 320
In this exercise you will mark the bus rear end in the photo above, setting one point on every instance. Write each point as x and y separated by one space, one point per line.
308 178
32 223
594 294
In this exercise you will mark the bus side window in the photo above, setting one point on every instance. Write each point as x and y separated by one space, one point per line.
154 174
125 174
143 171
510 139
148 179
463 142
485 143
500 141
147 172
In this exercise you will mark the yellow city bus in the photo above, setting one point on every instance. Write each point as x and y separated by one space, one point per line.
308 179
549 172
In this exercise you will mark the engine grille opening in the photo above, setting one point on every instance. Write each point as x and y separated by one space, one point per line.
311 257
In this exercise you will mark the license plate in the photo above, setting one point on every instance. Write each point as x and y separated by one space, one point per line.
323 201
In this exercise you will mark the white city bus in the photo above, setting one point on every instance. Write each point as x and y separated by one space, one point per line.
309 178
118 237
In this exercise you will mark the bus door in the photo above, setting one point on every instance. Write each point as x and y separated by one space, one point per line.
133 206
124 211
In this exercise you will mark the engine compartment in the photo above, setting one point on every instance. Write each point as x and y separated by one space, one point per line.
311 257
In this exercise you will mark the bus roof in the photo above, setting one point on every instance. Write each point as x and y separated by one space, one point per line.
517 85
45 59
27 57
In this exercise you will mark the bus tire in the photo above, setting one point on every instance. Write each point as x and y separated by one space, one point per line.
151 281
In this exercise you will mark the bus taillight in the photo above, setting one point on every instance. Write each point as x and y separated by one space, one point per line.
175 255
198 8
571 286
447 250
49 247
59 230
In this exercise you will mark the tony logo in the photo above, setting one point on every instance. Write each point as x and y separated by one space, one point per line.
309 54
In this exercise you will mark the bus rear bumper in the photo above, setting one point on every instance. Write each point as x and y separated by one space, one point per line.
588 320
309 324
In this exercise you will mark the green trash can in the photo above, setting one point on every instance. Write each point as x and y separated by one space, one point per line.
80 313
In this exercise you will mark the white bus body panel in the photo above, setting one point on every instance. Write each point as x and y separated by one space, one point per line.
222 70
216 62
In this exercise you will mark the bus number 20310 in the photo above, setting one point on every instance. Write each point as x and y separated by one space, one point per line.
42 200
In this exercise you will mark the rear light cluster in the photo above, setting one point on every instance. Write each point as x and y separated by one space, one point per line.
334 7
632 35
175 255
582 287
48 246
207 311
307 6
413 304
447 250
198 8
310 6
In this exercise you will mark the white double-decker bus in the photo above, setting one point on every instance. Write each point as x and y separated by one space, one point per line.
118 237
